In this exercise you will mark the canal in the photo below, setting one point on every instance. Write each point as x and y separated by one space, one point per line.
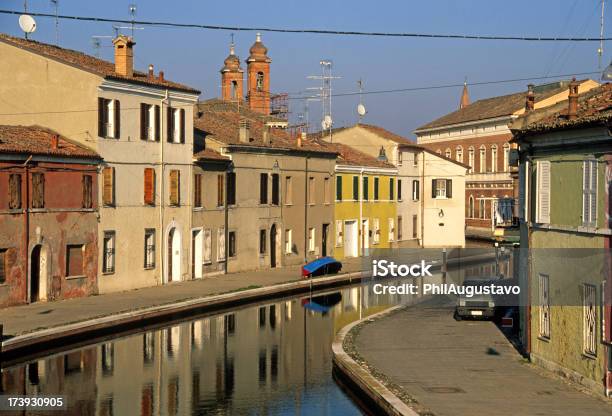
270 358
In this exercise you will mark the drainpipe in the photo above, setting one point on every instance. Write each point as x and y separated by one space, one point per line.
26 225
306 181
422 191
527 220
226 219
161 192
360 193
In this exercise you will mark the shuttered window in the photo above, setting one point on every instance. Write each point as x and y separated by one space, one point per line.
175 186
149 122
338 188
262 241
231 243
157 133
108 186
399 189
288 191
117 120
3 265
74 260
543 190
376 183
263 188
109 118
231 188
149 186
589 319
220 185
197 190
366 188
355 188
182 121
207 258
275 189
326 191
221 244
38 190
87 191
544 304
589 193
171 125
522 189
416 193
441 188
149 248
339 233
391 189
15 191
108 252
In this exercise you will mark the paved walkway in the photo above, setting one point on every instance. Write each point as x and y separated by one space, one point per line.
465 368
19 320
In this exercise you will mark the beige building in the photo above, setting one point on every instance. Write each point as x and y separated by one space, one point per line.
140 124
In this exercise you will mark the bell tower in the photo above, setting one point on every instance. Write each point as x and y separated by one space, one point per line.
258 77
232 77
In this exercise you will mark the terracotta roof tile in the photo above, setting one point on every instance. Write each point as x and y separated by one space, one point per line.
89 63
36 140
384 133
209 154
352 157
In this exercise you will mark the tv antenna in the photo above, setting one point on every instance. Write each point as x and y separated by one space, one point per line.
326 78
95 40
131 27
55 4
601 33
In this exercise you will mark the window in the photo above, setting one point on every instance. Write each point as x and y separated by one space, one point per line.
416 192
231 236
482 211
339 233
355 188
275 189
391 189
231 188
175 187
311 239
366 188
288 241
15 191
415 224
3 266
376 181
376 230
543 192
207 258
459 154
391 229
74 260
108 186
544 310
108 252
415 161
441 188
338 188
399 189
149 122
589 337
175 125
263 188
262 241
149 248
149 186
87 185
326 190
506 157
221 244
494 158
220 190
470 213
400 157
38 190
197 190
109 118
311 190
288 191
483 159
471 158
260 81
589 192
447 153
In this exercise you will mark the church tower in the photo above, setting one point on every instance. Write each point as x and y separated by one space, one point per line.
258 78
232 77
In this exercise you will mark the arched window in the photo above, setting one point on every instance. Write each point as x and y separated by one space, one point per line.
506 157
470 213
471 158
494 158
459 154
483 159
234 89
260 81
482 209
439 151
448 153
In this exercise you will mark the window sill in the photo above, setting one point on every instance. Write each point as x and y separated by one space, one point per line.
589 355
207 263
108 206
108 273
288 204
149 267
197 209
544 339
80 276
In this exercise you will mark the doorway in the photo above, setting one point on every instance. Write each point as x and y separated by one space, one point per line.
351 239
197 243
324 239
35 274
174 255
365 236
273 246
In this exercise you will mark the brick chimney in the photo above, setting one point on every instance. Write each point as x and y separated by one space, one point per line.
572 108
124 55
243 134
54 142
161 76
529 99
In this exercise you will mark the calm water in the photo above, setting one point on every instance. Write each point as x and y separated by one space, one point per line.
272 358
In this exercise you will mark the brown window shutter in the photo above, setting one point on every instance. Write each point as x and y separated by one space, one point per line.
101 118
170 124
182 115
157 132
143 121
219 190
38 190
117 119
174 187
15 191
449 188
149 186
197 196
87 192
433 188
108 190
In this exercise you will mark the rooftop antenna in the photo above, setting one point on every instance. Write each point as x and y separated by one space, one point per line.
132 9
361 110
326 93
95 40
55 4
131 27
601 33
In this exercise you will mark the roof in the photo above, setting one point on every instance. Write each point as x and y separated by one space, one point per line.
384 133
504 105
594 108
352 157
220 120
209 154
36 140
89 63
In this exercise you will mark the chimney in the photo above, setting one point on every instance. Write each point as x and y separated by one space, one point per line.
161 76
529 99
54 142
265 135
244 131
572 109
124 55
151 73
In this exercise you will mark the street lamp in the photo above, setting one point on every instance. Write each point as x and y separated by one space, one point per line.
607 73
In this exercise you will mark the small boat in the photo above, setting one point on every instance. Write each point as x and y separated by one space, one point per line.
320 267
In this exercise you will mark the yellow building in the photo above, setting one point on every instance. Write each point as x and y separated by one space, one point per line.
366 202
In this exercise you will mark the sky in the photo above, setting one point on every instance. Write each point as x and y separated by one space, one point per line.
194 56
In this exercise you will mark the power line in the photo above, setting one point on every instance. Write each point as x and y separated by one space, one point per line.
312 31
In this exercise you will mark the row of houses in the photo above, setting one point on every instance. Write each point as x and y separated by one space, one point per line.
114 179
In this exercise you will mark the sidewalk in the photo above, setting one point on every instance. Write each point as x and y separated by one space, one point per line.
465 368
19 320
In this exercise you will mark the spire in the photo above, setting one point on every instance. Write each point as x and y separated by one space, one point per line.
465 96
232 46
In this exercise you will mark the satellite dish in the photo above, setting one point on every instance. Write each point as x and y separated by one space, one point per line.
27 23
327 122
361 110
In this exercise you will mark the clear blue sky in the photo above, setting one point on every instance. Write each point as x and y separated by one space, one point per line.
194 56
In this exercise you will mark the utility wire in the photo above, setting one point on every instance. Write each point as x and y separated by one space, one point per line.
311 31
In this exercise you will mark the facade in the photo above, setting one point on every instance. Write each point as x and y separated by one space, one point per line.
48 217
565 169
365 203
478 135
141 125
